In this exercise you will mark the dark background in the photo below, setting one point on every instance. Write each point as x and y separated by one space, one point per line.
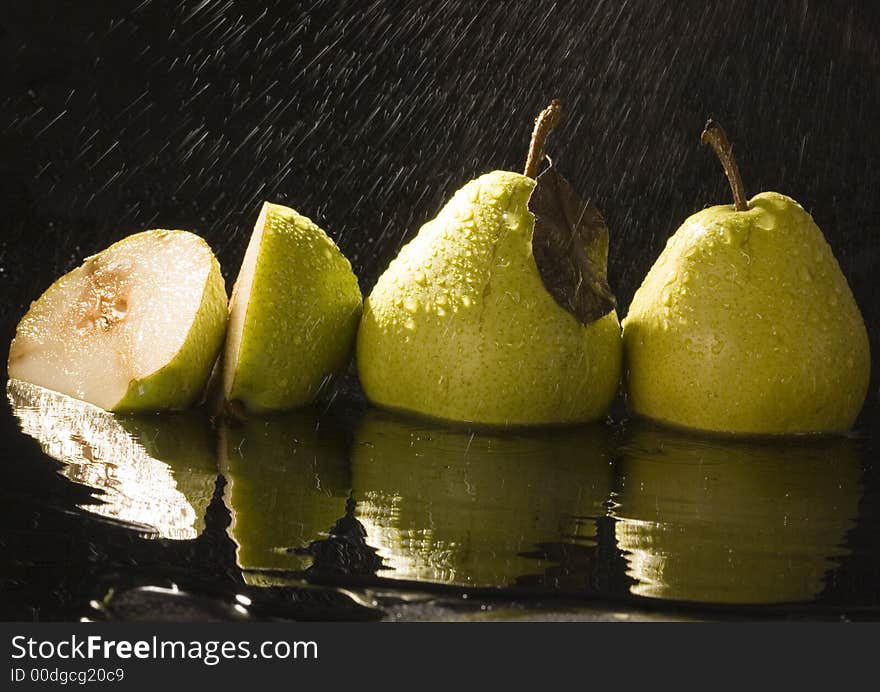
368 116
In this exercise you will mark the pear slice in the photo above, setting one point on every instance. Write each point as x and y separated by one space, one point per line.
293 314
136 327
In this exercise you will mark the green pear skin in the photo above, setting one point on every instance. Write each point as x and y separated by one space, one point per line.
293 314
746 324
460 326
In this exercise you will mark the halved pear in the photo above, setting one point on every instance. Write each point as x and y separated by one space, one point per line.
293 314
136 327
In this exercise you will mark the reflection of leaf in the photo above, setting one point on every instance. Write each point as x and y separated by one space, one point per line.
570 244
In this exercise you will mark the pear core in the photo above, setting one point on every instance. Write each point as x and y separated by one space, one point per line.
746 324
460 326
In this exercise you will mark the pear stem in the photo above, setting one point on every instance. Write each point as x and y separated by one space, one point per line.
545 122
714 135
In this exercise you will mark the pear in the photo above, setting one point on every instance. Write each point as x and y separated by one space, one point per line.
156 473
477 508
462 325
287 482
293 314
733 520
746 324
136 327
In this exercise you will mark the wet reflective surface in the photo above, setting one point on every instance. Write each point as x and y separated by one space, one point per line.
309 515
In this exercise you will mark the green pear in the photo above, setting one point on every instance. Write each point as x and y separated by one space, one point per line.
155 472
293 314
457 507
746 324
462 327
136 327
287 482
730 520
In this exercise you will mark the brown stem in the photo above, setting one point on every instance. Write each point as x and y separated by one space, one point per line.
545 122
714 135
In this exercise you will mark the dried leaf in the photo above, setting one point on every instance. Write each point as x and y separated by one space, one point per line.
570 245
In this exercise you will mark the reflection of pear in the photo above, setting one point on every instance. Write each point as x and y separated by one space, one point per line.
734 521
154 471
460 507
287 483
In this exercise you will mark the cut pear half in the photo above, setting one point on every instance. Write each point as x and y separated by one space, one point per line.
135 327
293 315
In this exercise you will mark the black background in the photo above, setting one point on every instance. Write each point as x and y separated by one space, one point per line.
368 116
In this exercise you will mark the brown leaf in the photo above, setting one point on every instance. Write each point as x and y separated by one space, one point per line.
570 245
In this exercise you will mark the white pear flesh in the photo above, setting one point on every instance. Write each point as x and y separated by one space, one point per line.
135 327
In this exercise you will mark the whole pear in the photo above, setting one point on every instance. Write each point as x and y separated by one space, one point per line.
293 314
746 324
461 326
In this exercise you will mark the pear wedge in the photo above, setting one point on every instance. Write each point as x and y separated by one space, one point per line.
136 327
293 317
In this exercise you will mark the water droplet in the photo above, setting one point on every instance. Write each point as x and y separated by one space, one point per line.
410 304
765 221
